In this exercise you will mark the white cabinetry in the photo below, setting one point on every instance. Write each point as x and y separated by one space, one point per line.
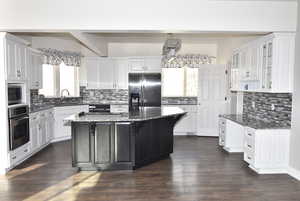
16 59
18 155
265 64
35 69
41 129
145 64
267 151
112 72
231 135
187 124
107 73
62 132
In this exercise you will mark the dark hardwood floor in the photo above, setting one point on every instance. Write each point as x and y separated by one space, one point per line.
197 171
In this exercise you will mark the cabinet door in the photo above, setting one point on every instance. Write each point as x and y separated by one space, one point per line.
82 144
122 142
92 71
43 129
34 131
121 73
11 60
106 74
38 71
137 64
153 64
104 143
21 61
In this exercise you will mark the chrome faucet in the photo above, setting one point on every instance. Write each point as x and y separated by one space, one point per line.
62 92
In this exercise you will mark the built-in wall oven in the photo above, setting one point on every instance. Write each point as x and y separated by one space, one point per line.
18 117
14 93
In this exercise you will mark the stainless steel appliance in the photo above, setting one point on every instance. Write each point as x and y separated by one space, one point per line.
144 90
18 117
14 92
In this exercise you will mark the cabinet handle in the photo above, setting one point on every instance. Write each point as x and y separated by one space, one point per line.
249 157
14 157
250 134
249 146
25 150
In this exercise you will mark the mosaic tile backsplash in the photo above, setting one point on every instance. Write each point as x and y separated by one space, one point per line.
37 99
263 107
104 96
120 96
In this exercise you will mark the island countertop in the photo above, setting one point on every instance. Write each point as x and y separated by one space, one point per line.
147 113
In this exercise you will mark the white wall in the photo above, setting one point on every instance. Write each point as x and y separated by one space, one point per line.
3 111
295 137
155 15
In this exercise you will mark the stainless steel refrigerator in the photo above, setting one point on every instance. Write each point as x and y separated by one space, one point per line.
144 90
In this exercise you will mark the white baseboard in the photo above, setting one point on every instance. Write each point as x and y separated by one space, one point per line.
234 149
269 170
61 139
294 173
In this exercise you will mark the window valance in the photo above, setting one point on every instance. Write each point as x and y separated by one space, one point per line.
55 57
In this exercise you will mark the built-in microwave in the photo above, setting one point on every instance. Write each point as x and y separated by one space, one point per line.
14 93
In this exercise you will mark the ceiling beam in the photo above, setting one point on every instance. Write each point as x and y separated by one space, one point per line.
96 45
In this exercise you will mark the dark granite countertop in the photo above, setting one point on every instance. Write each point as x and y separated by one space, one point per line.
141 115
254 123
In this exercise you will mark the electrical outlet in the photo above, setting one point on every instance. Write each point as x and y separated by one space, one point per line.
272 107
253 104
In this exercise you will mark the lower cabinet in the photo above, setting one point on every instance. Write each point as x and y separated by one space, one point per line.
102 145
267 151
121 145
62 132
41 128
187 124
231 136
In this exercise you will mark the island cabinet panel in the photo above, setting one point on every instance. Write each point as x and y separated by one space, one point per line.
153 140
82 144
104 143
123 142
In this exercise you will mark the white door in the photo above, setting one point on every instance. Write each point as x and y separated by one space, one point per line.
34 132
211 98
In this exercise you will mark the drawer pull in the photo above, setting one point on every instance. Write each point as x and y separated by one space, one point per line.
26 150
250 134
249 157
14 157
249 146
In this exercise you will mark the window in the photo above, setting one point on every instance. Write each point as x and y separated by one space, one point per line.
58 78
179 82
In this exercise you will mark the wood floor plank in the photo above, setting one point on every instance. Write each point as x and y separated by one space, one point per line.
197 170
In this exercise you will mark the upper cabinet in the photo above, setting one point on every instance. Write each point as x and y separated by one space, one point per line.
35 69
112 73
145 64
16 58
265 64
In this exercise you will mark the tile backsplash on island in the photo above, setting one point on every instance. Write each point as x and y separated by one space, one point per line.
259 105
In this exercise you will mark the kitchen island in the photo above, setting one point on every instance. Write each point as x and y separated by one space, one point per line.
122 141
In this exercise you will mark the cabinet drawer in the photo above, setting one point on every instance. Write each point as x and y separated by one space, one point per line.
19 154
249 156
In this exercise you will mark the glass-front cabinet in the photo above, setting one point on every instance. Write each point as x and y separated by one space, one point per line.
265 64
